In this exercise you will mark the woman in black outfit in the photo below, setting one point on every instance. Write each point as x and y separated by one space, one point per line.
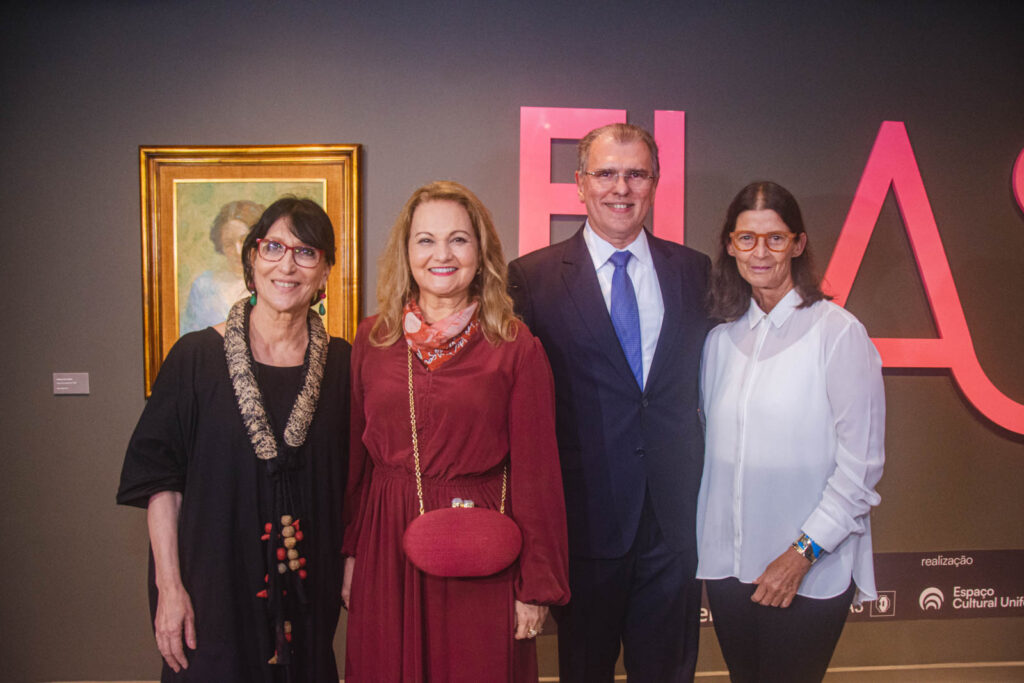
240 457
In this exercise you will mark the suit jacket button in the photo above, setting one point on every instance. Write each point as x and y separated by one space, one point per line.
641 452
643 402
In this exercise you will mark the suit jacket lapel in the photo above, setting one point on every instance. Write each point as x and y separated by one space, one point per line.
580 280
670 282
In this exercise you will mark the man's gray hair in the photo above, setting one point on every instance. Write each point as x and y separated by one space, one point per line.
620 132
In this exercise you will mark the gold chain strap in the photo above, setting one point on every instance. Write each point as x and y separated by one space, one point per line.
415 440
416 445
504 481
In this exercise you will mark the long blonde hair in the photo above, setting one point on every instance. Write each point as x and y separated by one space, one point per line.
395 284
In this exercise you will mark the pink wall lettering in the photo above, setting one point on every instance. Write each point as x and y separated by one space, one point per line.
669 207
539 198
1018 180
891 163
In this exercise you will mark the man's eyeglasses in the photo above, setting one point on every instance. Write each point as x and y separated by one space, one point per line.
635 178
747 241
272 250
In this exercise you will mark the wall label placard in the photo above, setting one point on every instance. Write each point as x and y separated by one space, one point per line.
70 383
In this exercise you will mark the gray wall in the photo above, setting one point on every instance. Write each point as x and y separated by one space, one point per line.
434 90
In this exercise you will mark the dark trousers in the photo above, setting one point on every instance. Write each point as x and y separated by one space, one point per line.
648 600
765 644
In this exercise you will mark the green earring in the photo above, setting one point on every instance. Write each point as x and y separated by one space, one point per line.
322 310
252 299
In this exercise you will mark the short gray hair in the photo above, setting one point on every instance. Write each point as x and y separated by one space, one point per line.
620 132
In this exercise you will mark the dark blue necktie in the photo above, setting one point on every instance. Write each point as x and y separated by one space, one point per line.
626 315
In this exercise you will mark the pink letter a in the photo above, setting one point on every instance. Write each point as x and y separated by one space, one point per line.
892 161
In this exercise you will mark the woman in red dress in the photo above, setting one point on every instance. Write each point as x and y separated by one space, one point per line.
484 402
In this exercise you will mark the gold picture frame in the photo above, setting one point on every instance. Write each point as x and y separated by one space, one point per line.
187 192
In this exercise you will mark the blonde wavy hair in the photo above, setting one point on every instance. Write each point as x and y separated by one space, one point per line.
396 286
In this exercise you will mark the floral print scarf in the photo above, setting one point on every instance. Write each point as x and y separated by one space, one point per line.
437 343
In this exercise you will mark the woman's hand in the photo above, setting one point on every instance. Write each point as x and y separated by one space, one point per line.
529 620
173 615
781 579
346 581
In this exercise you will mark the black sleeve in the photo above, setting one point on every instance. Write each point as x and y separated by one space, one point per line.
156 458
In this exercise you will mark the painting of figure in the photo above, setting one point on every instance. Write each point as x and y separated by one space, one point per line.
214 290
209 236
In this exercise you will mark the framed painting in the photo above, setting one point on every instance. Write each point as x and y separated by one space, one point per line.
198 203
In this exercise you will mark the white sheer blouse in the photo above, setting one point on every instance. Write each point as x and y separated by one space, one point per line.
795 424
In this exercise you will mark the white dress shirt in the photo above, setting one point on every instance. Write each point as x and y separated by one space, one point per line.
645 283
795 426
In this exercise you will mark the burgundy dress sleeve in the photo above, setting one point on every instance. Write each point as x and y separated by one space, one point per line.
538 502
360 466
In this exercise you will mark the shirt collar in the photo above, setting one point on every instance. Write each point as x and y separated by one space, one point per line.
778 315
601 250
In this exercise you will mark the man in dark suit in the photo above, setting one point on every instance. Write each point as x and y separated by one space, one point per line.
624 333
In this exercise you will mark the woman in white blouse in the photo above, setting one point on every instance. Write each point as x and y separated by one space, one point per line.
795 418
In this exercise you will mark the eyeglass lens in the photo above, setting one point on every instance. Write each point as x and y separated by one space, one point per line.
306 257
633 177
775 241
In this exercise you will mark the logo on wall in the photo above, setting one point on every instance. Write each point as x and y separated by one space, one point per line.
948 584
931 598
885 605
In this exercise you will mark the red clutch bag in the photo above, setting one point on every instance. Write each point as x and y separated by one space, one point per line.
462 542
